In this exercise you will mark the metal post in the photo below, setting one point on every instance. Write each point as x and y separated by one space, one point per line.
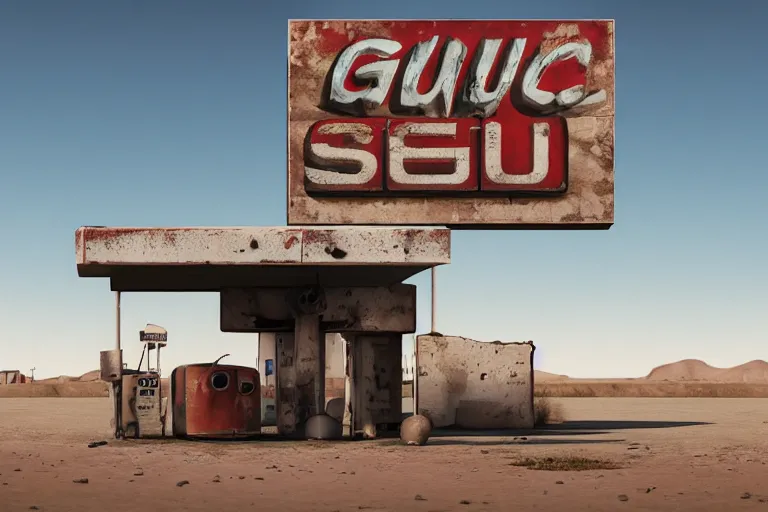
434 302
415 376
117 387
117 320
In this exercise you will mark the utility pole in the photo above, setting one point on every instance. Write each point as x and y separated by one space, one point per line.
32 376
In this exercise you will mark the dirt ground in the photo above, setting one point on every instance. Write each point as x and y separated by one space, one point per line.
674 454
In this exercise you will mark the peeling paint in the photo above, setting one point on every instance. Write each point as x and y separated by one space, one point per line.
571 85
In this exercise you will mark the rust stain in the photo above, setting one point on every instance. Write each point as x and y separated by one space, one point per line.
313 48
292 240
230 411
317 236
110 234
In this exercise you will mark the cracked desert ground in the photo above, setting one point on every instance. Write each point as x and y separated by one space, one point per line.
673 454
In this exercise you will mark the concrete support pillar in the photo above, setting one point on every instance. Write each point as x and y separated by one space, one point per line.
301 375
310 368
286 385
376 382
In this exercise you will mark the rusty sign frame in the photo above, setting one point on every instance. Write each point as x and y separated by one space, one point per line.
587 200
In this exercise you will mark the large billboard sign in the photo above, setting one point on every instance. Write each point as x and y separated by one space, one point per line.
461 123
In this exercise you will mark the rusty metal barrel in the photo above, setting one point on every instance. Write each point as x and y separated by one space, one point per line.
216 401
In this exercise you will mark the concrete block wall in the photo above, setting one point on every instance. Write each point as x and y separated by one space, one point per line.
475 385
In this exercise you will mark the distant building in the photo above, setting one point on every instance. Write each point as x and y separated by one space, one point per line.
12 377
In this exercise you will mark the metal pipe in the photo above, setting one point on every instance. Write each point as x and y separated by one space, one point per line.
117 387
434 301
117 320
415 376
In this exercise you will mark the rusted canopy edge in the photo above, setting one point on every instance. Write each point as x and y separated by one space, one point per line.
207 259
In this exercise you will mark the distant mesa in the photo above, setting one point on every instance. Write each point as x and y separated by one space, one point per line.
753 372
540 376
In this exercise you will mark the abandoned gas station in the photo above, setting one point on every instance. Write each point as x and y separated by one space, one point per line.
398 132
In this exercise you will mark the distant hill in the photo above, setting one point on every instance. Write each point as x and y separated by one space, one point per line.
540 376
753 372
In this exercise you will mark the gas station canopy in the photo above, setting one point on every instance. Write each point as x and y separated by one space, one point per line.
207 259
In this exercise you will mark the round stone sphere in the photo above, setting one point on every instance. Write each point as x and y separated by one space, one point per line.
415 430
322 426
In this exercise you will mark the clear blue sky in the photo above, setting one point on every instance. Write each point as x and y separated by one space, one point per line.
102 103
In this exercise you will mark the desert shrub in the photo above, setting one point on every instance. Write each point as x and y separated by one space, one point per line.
546 412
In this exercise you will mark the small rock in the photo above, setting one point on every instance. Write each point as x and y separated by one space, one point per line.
17 469
419 497
131 480
138 472
34 507
96 444
623 497
259 478
216 479
80 480
649 489
351 472
746 496
484 452
559 482
182 483
464 502
241 477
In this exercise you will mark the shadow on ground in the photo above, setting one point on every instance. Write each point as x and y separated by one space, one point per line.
622 425
453 441
568 428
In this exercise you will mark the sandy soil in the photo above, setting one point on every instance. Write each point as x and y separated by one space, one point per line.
675 454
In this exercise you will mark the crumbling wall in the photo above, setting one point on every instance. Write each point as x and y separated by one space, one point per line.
475 385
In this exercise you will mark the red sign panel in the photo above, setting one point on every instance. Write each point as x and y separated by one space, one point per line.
462 123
